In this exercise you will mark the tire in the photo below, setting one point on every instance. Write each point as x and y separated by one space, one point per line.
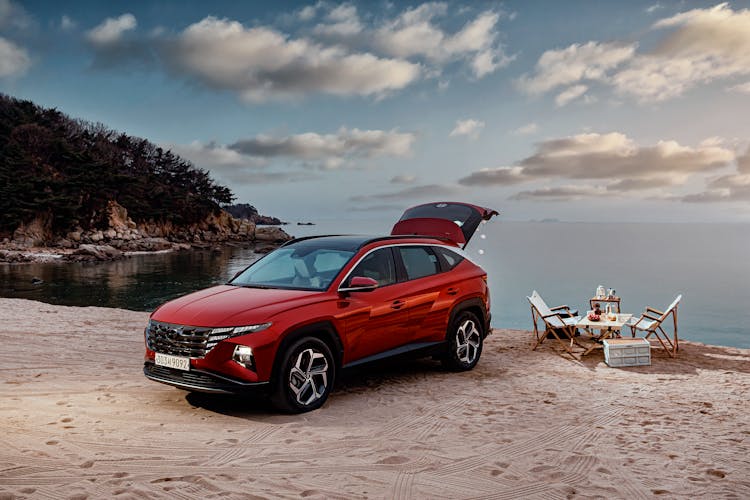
464 342
305 376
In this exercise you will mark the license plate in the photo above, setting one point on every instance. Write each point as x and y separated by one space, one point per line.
169 361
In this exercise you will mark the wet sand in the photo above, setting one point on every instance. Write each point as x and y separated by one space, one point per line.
79 420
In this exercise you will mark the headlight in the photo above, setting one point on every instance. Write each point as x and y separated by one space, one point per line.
219 334
243 355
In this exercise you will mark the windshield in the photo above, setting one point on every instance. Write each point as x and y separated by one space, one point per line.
301 268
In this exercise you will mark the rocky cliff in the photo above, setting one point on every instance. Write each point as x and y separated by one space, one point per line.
122 234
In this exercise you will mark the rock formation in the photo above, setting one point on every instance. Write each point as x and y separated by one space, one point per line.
122 234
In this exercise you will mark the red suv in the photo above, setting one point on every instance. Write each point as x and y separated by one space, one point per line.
293 319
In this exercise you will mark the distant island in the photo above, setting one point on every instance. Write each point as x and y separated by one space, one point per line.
89 192
249 212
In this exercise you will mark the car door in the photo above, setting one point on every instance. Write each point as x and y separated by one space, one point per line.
453 221
429 296
377 320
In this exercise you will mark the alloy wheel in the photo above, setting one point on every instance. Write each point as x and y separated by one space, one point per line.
308 378
468 340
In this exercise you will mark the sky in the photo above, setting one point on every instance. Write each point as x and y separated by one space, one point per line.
577 111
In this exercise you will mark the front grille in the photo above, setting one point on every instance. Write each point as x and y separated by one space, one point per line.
197 380
192 378
178 340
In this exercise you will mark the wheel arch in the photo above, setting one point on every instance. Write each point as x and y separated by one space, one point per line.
474 305
322 330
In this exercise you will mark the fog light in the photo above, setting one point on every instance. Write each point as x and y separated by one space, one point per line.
243 356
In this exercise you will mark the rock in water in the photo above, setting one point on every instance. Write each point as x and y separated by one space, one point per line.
275 234
95 252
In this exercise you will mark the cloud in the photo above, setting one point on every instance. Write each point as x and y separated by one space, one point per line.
570 94
343 21
528 129
261 63
403 179
250 177
653 8
500 176
562 193
693 48
112 29
743 88
564 67
309 12
414 34
67 23
730 188
234 166
727 188
344 54
468 128
14 60
214 155
343 145
614 161
424 191
615 156
13 15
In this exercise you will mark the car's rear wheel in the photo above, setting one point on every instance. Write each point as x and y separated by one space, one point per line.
465 341
305 376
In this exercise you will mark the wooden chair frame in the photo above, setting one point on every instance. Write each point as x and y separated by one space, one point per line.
550 328
659 317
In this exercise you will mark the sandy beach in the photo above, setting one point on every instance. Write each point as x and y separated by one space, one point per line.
79 420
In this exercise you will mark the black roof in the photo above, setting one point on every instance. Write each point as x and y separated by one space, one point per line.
347 242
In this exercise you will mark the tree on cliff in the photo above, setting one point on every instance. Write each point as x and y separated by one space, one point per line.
69 169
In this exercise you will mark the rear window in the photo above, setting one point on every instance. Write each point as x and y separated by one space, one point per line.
419 262
450 259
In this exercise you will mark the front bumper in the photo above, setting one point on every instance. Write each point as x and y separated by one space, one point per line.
200 380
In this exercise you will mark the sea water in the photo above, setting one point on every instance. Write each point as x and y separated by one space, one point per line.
647 265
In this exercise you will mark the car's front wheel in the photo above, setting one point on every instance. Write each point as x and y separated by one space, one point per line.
305 376
464 342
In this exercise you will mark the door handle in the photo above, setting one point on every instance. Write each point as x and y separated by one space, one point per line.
398 304
452 291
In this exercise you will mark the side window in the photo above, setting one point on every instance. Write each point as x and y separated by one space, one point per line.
419 262
451 259
379 266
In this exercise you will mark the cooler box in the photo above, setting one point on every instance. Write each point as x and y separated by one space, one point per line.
627 352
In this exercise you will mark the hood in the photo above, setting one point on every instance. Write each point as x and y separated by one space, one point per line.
225 305
455 221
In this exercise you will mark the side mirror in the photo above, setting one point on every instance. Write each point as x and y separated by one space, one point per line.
360 284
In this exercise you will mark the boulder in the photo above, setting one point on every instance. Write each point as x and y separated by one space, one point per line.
147 245
11 256
95 252
271 233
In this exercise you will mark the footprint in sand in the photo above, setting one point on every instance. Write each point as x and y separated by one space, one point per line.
716 473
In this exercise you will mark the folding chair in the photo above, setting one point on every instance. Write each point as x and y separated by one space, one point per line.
651 323
555 319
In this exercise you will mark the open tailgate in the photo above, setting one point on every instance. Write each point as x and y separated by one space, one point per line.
452 220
